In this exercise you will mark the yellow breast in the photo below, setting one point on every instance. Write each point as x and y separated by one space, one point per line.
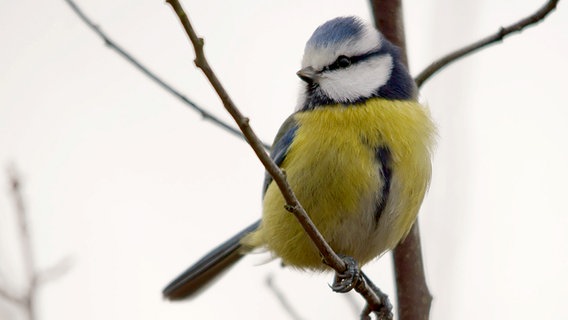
332 168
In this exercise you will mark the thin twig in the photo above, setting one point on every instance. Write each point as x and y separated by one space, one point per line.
22 218
292 203
28 300
282 298
169 88
539 15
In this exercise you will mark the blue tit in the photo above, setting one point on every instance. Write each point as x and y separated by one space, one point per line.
356 153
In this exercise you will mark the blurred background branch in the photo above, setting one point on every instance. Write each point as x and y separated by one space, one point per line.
162 83
25 299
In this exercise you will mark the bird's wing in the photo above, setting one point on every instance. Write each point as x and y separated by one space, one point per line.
208 268
281 145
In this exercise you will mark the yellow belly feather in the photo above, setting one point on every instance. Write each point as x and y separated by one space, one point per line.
332 168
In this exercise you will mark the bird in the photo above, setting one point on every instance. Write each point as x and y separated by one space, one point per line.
356 152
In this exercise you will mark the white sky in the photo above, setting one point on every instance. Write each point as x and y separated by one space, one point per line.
133 186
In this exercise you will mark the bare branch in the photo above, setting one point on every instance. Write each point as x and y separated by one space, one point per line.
282 298
437 65
27 301
414 298
389 20
292 203
21 213
34 279
169 88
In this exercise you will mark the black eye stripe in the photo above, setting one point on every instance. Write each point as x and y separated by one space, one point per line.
340 62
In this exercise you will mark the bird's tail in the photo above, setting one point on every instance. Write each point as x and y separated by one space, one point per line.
208 268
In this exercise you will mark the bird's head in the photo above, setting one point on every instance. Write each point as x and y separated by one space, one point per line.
347 61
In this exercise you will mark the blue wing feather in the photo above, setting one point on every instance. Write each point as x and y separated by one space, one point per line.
281 146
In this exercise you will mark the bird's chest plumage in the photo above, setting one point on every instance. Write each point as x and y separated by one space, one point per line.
336 175
333 169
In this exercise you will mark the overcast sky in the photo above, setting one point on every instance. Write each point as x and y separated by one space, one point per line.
133 186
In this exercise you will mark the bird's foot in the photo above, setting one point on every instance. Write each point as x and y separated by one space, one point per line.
351 278
383 311
347 280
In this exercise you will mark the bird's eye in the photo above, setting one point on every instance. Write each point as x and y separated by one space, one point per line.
340 63
343 62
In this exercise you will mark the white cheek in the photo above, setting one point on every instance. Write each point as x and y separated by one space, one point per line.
358 81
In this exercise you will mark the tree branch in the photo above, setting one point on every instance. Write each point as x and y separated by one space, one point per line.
33 278
414 298
437 65
114 46
28 300
279 177
389 20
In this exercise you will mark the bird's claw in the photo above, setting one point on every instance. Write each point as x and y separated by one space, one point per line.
385 311
346 281
350 278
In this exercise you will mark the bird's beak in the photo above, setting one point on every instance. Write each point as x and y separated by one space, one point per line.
308 74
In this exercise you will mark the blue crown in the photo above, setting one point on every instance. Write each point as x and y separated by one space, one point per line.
336 31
